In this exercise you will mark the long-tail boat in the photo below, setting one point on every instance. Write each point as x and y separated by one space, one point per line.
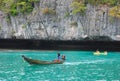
41 62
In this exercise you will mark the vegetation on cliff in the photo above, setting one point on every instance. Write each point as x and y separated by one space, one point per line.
114 5
115 11
59 19
13 7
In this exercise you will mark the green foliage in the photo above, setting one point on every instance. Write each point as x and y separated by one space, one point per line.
5 5
0 27
24 26
25 7
93 2
78 7
97 2
74 23
109 2
33 0
111 20
67 14
115 11
78 0
8 18
13 7
13 12
13 32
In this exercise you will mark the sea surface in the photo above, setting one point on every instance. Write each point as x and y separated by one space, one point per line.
79 66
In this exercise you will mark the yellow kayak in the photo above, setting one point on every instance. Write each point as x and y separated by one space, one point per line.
100 53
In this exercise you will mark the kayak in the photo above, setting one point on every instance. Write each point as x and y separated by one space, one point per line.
100 53
41 62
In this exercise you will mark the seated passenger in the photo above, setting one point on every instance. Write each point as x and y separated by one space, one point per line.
63 57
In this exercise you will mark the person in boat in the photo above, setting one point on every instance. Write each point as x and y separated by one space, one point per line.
63 57
105 53
97 51
58 55
58 58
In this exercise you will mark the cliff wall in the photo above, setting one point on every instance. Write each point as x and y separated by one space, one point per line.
53 19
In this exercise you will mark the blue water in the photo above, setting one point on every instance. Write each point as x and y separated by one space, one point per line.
79 66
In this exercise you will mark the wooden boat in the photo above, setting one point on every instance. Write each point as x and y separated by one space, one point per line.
40 62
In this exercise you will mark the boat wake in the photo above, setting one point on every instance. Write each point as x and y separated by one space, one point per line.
72 63
84 62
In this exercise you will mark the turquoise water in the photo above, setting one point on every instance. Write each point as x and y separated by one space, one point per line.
79 66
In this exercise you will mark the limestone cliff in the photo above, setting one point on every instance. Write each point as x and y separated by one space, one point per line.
53 19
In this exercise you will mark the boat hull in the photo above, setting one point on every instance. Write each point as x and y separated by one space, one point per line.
40 62
99 53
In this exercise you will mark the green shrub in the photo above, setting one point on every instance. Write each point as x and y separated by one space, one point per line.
33 1
114 11
24 26
14 12
13 32
78 8
67 14
13 7
0 27
74 23
97 2
8 18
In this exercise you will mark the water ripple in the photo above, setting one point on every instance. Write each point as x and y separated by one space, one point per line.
79 66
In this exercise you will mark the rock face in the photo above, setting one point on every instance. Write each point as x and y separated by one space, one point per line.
53 19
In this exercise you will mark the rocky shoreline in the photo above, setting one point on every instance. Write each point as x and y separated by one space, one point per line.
77 45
